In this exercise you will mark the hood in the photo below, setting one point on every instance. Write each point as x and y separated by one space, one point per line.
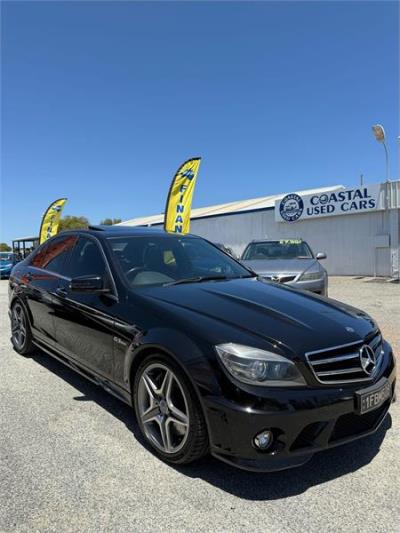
241 309
280 266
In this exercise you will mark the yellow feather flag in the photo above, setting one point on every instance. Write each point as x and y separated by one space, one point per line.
179 201
51 220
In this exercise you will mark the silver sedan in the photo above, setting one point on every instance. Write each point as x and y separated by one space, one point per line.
289 261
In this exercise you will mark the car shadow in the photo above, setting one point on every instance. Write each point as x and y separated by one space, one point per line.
324 466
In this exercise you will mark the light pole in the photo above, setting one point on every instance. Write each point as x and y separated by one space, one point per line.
379 133
391 216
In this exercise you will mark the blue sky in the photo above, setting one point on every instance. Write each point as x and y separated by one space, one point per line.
101 102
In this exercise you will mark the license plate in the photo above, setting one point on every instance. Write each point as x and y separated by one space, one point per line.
373 397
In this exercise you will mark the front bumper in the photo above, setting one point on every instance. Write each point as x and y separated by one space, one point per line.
302 421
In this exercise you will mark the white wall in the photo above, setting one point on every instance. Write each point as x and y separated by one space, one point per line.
348 240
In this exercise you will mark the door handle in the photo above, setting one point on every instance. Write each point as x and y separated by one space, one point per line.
61 292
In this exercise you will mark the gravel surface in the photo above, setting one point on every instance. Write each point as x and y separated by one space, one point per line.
71 460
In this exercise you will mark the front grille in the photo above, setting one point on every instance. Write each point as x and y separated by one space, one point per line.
342 364
345 427
352 424
280 279
286 279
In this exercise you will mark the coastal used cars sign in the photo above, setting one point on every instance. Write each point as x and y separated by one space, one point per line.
293 207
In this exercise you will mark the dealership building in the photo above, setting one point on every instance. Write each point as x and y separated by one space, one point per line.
358 228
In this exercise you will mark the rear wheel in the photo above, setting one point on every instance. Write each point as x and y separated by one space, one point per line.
168 411
21 336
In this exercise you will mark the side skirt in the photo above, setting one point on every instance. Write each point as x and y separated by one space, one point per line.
94 378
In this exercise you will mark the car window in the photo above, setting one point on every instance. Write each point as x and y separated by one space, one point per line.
53 254
283 249
157 260
86 259
38 259
8 257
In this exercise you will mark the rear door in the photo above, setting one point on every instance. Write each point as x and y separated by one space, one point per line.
42 279
84 322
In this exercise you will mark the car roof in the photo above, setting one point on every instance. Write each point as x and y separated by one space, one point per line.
286 239
124 231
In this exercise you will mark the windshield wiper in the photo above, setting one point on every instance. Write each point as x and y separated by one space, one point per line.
196 279
199 279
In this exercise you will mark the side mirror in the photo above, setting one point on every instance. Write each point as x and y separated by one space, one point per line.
320 255
88 284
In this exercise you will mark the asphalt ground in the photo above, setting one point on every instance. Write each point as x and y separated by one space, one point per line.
71 459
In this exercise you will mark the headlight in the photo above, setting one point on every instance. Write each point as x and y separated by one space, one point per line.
258 367
312 274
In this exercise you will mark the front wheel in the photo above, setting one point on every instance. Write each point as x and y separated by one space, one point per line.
21 336
168 411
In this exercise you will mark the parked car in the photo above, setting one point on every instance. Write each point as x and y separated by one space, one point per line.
7 262
289 261
210 357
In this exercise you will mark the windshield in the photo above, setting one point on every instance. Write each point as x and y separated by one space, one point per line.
164 260
283 249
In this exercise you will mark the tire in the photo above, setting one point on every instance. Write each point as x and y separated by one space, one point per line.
169 403
21 335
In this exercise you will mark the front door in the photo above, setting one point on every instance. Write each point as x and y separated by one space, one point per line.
84 322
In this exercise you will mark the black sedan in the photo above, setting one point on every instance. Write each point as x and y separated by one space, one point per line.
211 357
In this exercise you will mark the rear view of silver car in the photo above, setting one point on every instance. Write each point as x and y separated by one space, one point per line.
289 261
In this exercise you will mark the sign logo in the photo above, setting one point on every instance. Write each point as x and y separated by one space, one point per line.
291 207
367 359
338 201
188 174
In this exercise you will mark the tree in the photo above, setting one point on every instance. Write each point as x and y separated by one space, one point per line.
4 247
73 222
110 221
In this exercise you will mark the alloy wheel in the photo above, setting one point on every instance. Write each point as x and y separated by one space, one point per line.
18 326
163 408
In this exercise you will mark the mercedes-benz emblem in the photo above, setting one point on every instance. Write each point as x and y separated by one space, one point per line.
367 359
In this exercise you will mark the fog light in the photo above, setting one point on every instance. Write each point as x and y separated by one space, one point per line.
263 439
